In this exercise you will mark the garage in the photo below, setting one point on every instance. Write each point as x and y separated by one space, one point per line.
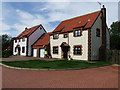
34 52
42 53
41 44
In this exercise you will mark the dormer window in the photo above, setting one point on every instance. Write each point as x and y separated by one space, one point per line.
77 33
65 35
55 36
98 32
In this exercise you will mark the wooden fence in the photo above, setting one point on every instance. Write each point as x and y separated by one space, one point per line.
113 56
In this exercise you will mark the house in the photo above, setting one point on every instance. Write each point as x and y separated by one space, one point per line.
22 43
81 38
42 44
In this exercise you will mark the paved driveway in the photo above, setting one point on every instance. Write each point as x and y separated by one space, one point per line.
102 77
23 58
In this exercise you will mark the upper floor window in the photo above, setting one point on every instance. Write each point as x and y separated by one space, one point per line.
40 27
77 33
55 50
65 35
98 32
19 40
23 39
15 41
78 50
55 36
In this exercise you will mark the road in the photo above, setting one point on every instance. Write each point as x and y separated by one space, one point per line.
102 77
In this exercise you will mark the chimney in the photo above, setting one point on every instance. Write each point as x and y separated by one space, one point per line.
25 28
103 12
102 49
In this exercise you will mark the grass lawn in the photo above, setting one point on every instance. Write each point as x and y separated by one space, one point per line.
56 64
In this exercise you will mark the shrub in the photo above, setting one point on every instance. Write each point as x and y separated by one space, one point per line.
6 53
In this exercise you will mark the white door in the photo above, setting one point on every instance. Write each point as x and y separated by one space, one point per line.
34 52
42 53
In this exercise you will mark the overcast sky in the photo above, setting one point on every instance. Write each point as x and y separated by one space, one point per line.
18 15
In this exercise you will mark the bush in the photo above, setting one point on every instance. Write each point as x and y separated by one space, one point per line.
6 53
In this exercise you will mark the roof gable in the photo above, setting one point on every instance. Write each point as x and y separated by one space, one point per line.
27 32
44 40
85 21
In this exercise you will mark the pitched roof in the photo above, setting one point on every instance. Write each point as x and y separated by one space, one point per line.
44 40
27 32
85 21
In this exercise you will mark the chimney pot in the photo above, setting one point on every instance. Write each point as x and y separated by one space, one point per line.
25 28
103 6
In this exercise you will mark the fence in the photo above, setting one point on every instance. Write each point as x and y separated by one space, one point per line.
113 56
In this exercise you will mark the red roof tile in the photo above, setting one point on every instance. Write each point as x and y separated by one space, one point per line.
85 20
44 40
27 32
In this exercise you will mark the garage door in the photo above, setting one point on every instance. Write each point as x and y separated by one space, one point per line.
34 52
42 53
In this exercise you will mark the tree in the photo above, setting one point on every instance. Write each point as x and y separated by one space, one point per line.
115 35
5 41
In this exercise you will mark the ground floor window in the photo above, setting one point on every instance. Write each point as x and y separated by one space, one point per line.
23 49
55 50
77 50
15 49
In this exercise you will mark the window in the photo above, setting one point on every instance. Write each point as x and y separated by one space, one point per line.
55 36
65 35
98 32
23 39
15 41
23 49
15 49
77 33
78 50
40 27
55 50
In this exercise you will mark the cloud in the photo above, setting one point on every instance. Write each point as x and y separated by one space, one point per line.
43 9
24 15
16 19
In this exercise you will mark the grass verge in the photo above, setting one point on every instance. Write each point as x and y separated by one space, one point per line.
56 64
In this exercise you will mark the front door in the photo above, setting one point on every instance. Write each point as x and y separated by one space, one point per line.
18 50
65 52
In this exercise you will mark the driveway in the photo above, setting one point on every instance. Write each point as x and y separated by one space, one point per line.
23 58
102 77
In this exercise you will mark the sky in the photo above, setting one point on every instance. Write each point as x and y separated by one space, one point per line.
18 15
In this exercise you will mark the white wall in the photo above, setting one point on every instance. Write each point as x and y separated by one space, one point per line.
83 40
22 44
57 42
96 41
32 38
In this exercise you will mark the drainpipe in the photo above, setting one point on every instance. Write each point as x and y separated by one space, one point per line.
69 48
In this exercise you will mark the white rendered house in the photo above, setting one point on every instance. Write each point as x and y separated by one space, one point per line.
22 43
81 38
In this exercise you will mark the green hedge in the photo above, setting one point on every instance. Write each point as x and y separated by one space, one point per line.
6 53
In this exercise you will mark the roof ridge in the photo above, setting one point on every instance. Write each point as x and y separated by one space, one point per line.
81 16
34 26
